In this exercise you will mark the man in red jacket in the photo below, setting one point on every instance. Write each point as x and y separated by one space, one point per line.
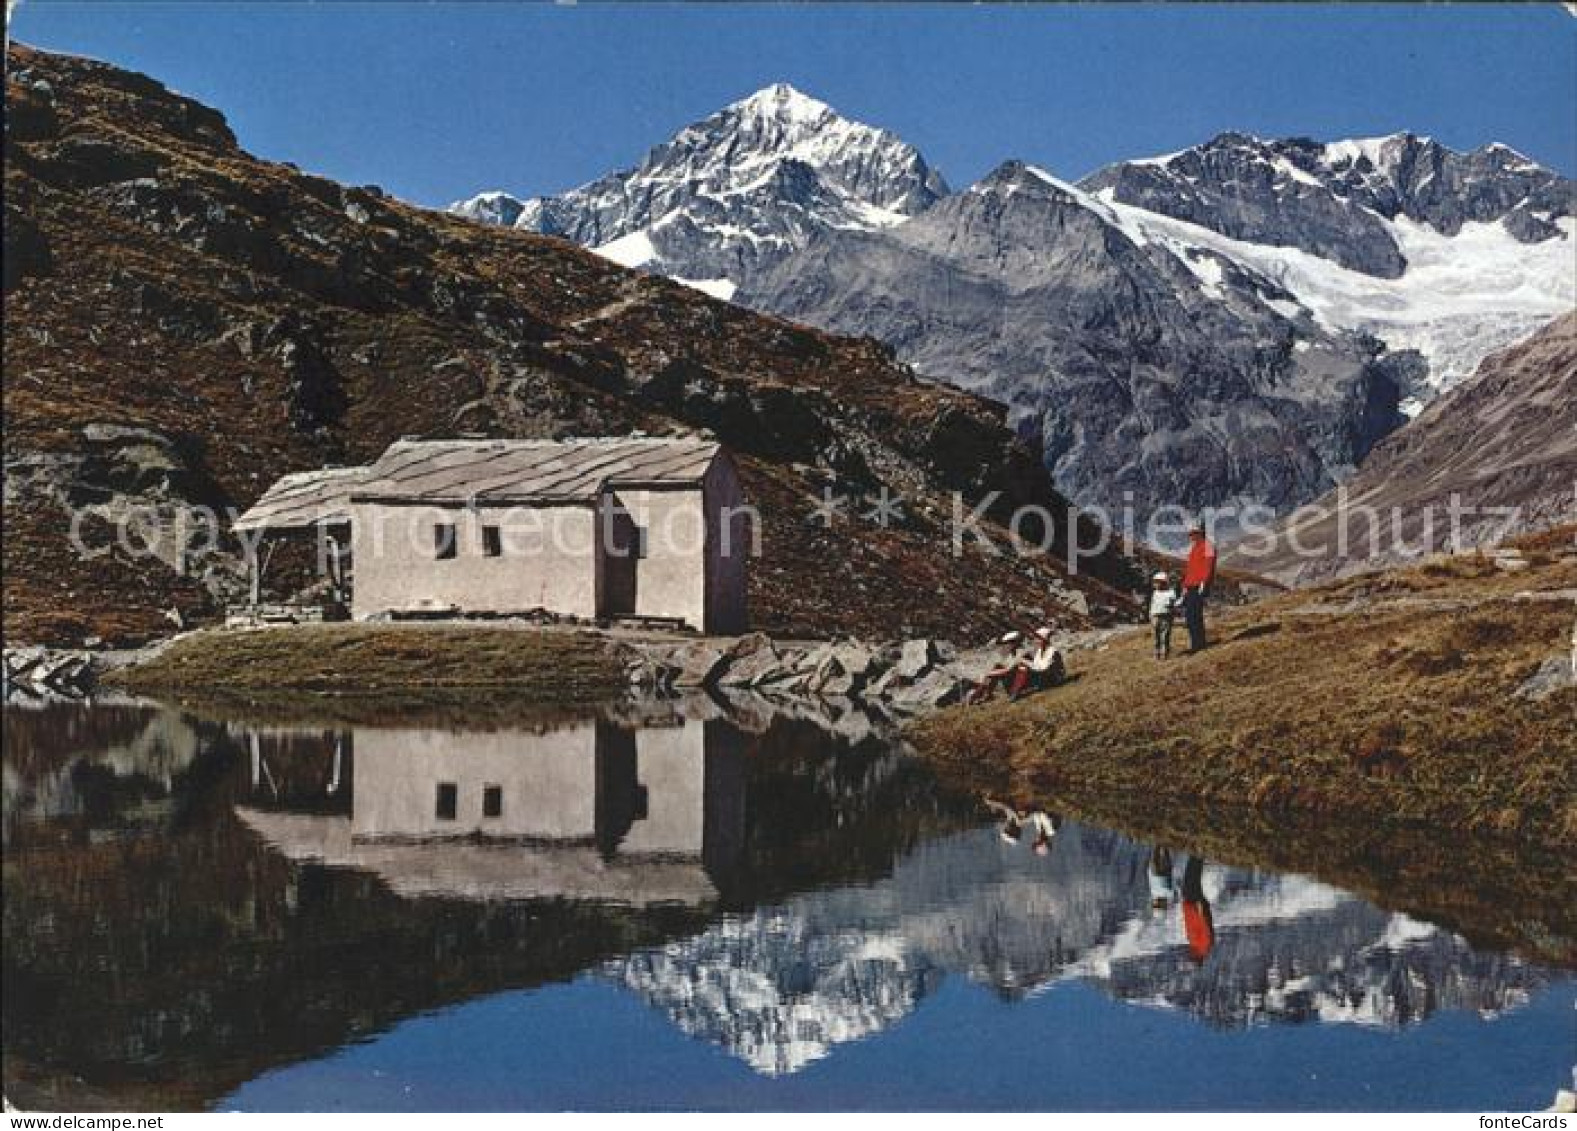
1198 576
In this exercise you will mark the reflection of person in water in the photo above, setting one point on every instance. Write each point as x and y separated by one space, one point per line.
1036 827
1197 920
1042 827
1161 878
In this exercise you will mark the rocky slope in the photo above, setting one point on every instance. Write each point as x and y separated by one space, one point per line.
734 193
1152 376
184 323
1502 444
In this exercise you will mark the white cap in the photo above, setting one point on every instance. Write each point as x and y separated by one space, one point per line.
1010 638
1043 633
1161 576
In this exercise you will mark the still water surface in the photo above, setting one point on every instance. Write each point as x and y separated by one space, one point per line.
678 906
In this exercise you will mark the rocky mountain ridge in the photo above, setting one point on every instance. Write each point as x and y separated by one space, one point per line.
1151 376
1335 199
1439 256
733 193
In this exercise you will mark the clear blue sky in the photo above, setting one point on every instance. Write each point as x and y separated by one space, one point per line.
435 101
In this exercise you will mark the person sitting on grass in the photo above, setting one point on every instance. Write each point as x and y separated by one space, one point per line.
1042 668
1001 673
1012 820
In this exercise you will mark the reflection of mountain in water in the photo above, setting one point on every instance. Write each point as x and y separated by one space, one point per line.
782 986
1295 950
775 991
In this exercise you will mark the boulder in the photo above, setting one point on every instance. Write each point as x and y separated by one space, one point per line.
22 666
915 658
1071 599
43 671
845 667
939 687
753 660
791 674
698 665
1554 674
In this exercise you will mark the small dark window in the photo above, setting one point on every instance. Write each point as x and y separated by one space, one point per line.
444 541
492 542
448 799
492 801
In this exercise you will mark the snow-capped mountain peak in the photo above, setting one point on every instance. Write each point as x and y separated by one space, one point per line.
1336 199
735 191
492 207
1455 254
1229 264
1452 253
783 102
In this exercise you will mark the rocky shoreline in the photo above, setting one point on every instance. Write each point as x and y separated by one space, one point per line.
898 679
903 678
36 672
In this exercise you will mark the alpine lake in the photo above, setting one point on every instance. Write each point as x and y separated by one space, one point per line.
703 904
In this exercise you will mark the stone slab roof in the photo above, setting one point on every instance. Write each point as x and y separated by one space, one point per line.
303 500
482 471
531 471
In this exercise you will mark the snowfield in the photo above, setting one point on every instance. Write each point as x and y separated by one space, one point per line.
1461 298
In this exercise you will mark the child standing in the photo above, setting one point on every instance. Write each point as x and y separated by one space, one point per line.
1163 608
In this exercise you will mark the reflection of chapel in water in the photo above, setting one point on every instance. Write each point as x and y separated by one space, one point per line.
591 810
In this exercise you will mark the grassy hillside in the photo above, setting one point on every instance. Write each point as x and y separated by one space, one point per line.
1391 697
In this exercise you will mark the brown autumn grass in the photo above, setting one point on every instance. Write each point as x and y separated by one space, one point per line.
373 659
1385 697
